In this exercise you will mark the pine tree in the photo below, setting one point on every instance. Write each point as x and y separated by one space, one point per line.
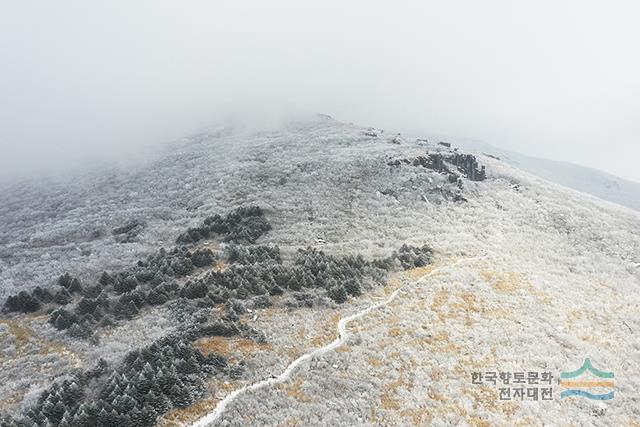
157 279
86 306
180 396
352 287
65 280
142 384
147 416
108 419
136 365
193 290
202 258
62 297
61 319
23 302
126 284
188 366
72 394
124 403
131 310
75 286
42 295
53 411
36 415
147 370
106 279
112 389
81 330
64 422
242 292
81 418
338 294
158 401
91 291
166 379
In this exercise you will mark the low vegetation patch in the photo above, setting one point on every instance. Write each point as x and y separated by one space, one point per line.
170 373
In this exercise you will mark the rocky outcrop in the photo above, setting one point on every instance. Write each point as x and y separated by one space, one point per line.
468 165
465 164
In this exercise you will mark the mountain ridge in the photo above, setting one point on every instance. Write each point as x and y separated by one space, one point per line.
279 235
586 179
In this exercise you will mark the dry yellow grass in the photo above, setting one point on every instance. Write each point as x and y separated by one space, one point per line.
376 418
22 334
25 337
479 422
294 390
12 399
302 333
389 403
219 265
292 422
434 395
327 331
502 282
416 273
218 345
417 416
528 421
395 332
510 282
441 342
28 343
598 340
392 284
373 361
437 305
231 347
387 399
486 398
573 316
602 284
187 415
449 304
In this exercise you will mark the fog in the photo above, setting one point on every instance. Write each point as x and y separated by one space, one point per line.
86 81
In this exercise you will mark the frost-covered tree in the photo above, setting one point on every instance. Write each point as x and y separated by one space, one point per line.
156 297
23 302
338 294
42 295
106 279
62 297
125 284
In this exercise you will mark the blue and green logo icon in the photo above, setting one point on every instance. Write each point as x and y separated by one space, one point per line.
598 388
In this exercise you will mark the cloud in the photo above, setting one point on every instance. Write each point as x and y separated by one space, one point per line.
86 80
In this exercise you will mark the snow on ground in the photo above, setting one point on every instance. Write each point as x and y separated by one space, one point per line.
585 179
556 281
553 277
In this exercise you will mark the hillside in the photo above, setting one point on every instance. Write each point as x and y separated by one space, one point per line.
320 274
587 180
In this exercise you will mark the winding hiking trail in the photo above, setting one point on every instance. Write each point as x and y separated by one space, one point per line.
213 416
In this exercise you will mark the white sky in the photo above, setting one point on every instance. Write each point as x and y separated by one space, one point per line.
88 79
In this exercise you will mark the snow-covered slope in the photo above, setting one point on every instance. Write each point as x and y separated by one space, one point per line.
531 277
588 180
534 277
